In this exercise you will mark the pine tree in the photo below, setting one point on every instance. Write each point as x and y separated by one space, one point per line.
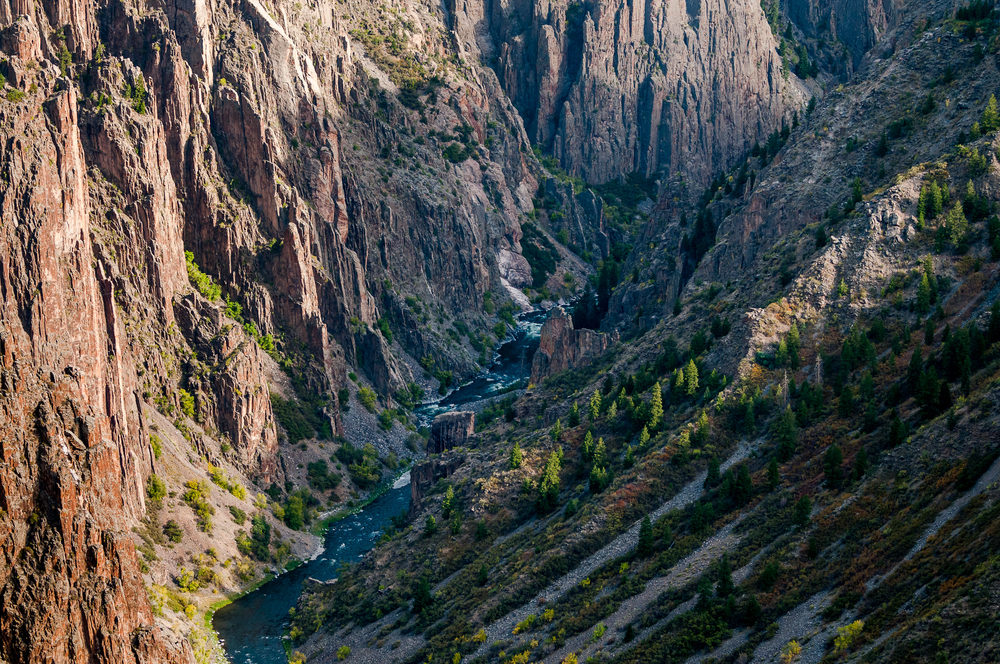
821 238
612 411
935 200
786 435
595 406
422 598
645 546
773 474
557 430
713 477
923 295
743 488
860 465
897 431
703 429
794 342
846 403
781 355
448 504
883 146
574 415
630 456
929 332
956 224
914 371
643 437
725 587
656 407
587 448
548 487
516 457
832 462
600 454
990 120
922 206
691 378
803 510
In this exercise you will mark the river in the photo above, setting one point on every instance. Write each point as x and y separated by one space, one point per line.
251 627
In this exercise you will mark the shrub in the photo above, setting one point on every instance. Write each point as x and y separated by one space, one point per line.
202 282
343 652
173 531
239 516
367 398
156 444
156 489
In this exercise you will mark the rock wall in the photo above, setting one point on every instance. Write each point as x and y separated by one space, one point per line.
425 475
75 449
561 347
451 430
612 87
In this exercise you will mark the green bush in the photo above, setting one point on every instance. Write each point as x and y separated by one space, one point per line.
367 398
173 531
239 516
201 281
156 489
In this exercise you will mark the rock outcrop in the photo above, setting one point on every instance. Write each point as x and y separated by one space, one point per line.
425 475
561 347
75 449
451 430
614 87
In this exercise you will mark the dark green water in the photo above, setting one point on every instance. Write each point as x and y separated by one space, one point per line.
251 627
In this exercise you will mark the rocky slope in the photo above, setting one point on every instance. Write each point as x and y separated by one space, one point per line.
803 401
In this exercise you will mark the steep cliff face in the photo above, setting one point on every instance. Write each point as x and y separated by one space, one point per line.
74 445
616 87
560 347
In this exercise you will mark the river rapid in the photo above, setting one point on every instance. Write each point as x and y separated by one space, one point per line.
250 628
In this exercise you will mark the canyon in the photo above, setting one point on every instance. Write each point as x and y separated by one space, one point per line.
242 241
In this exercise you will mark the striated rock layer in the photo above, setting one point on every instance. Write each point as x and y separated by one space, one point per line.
612 87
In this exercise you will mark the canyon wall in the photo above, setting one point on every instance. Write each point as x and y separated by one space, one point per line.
611 87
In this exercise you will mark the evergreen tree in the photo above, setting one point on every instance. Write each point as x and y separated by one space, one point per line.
794 342
630 456
781 355
957 224
725 587
713 477
430 525
922 206
574 415
990 120
944 397
867 389
923 296
914 371
548 487
656 407
645 546
643 437
600 454
448 504
821 238
484 575
595 406
929 332
691 378
703 430
935 200
422 598
786 435
557 430
803 511
897 431
883 146
846 404
743 488
832 462
612 411
773 475
750 612
860 465
516 457
599 480
587 448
